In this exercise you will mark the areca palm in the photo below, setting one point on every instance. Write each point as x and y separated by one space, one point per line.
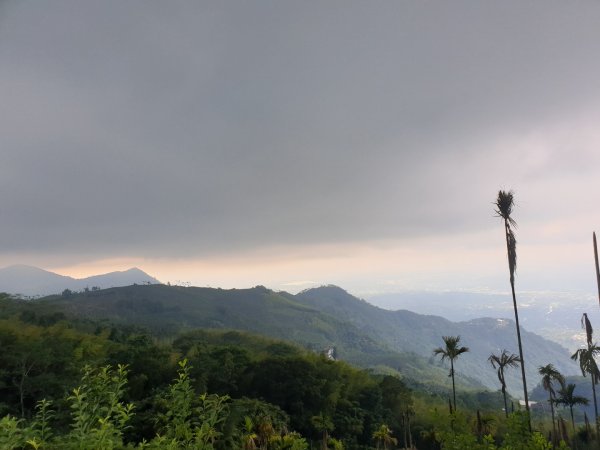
549 375
567 397
500 362
383 435
587 363
324 425
504 205
452 350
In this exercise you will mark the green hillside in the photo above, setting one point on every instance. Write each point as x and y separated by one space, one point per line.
408 331
168 310
398 342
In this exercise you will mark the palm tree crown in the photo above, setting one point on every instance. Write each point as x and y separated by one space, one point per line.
550 374
502 361
452 349
383 435
567 397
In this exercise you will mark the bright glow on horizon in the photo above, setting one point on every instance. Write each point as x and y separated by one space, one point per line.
475 262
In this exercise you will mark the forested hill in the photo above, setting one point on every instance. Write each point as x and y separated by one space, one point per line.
408 331
362 334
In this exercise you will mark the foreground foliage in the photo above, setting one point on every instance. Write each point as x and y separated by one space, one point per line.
99 419
454 433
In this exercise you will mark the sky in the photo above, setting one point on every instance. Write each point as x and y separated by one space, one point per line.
294 144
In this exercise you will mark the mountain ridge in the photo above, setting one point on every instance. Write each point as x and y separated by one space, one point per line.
32 281
415 332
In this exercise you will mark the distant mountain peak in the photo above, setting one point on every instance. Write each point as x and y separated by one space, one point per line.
132 270
325 288
21 279
23 268
332 295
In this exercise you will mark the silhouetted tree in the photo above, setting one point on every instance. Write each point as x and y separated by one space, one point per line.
500 362
567 397
451 351
504 205
587 363
549 375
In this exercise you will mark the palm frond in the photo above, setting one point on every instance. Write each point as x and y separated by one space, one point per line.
511 360
451 350
494 360
440 351
567 397
549 374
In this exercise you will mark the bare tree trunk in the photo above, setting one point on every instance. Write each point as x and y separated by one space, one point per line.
410 442
505 404
597 268
405 428
21 385
453 387
553 421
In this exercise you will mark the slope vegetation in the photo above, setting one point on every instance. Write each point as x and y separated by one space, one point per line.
393 342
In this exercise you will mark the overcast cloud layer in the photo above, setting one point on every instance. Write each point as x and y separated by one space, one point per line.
196 130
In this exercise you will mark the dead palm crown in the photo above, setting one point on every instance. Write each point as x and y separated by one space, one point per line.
504 205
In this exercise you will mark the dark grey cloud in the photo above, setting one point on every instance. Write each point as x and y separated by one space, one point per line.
181 128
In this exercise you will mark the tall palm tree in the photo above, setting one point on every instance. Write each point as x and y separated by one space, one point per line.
549 375
500 362
504 205
451 351
567 397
